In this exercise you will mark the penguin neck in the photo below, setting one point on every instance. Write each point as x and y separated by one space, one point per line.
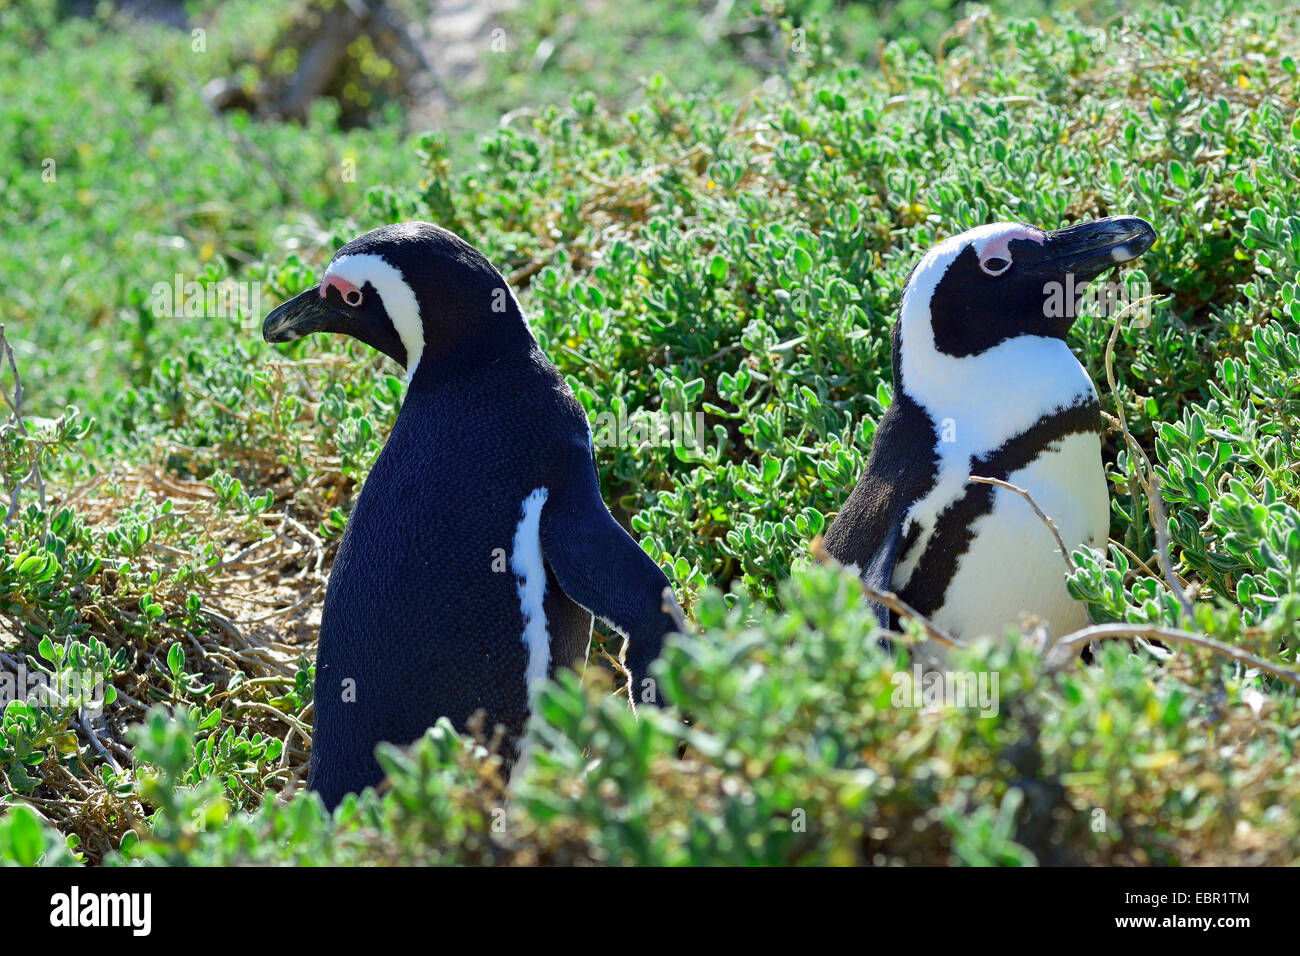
505 336
991 396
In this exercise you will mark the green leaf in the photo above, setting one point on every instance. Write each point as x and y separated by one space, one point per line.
1178 173
26 838
802 260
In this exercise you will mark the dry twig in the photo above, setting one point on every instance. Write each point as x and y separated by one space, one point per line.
1042 515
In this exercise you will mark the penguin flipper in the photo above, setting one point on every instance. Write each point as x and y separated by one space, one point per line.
601 568
879 569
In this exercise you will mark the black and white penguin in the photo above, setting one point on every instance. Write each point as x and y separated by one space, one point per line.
479 548
985 385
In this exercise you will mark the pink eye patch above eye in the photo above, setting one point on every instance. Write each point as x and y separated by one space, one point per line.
999 247
350 293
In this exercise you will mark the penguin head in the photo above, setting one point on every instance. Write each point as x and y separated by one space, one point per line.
414 291
996 282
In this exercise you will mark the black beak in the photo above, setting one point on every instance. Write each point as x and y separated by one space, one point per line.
1090 248
305 313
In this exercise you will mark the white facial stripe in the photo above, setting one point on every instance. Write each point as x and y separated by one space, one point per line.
399 301
530 572
979 401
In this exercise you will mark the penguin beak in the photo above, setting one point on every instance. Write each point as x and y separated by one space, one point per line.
1090 248
305 313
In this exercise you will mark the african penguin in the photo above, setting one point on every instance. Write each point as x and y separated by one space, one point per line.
479 548
985 385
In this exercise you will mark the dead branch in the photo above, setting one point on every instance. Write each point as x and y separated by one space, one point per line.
1107 632
1042 515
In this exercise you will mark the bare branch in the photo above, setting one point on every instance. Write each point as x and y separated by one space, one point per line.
1108 632
1042 515
33 449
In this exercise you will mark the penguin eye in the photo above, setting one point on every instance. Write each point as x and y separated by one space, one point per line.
353 297
995 265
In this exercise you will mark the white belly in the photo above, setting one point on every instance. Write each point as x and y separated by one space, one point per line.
1013 568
